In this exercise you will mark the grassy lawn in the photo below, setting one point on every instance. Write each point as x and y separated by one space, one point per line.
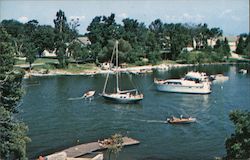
46 60
38 60
76 68
167 62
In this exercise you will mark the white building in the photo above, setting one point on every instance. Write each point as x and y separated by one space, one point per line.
47 53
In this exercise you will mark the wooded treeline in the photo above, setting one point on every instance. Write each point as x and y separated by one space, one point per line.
138 43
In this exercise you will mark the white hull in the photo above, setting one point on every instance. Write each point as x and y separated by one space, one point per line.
200 88
122 98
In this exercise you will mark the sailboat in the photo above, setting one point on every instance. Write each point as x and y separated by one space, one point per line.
120 96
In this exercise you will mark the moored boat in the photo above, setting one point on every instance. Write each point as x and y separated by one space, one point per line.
193 82
120 96
219 78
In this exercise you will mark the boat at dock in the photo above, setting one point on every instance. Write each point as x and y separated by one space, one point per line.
193 82
181 120
120 96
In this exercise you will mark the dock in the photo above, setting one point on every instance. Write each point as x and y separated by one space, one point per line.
86 148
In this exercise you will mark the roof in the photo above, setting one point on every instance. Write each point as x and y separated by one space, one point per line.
230 38
84 40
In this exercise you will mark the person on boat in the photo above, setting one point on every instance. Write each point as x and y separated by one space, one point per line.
181 116
172 118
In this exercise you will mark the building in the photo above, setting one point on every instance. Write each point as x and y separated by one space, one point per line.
47 53
232 42
84 41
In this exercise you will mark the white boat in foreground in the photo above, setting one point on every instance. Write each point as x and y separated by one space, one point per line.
89 94
194 83
126 96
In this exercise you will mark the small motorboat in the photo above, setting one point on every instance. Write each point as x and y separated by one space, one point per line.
219 78
243 71
89 94
181 120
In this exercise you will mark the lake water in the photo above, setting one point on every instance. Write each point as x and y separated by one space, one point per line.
56 123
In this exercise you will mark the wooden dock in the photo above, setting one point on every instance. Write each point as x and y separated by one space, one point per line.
86 148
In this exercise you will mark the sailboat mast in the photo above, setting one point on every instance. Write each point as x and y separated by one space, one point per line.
110 64
117 76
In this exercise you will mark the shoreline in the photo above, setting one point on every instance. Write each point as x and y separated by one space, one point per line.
132 70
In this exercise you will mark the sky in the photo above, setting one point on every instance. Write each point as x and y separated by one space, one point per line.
232 16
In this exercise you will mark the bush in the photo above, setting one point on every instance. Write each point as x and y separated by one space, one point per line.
205 56
238 145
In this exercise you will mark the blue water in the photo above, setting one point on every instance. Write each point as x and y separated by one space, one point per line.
56 123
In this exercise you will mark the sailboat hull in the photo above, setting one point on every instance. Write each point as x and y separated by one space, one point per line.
122 98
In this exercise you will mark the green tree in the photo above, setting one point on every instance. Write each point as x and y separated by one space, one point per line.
131 28
44 38
17 32
217 44
30 52
240 46
13 137
29 49
79 52
247 46
116 145
61 38
226 48
238 144
157 27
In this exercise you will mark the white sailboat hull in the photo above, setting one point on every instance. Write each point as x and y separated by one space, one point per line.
122 98
200 88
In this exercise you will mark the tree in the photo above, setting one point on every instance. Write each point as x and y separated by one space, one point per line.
247 50
45 38
116 145
17 32
30 52
247 46
226 48
79 52
29 49
178 38
238 144
215 33
62 37
240 46
217 44
13 137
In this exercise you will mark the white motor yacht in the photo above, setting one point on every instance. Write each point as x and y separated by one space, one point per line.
193 82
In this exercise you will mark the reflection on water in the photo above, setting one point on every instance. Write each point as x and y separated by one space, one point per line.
56 123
